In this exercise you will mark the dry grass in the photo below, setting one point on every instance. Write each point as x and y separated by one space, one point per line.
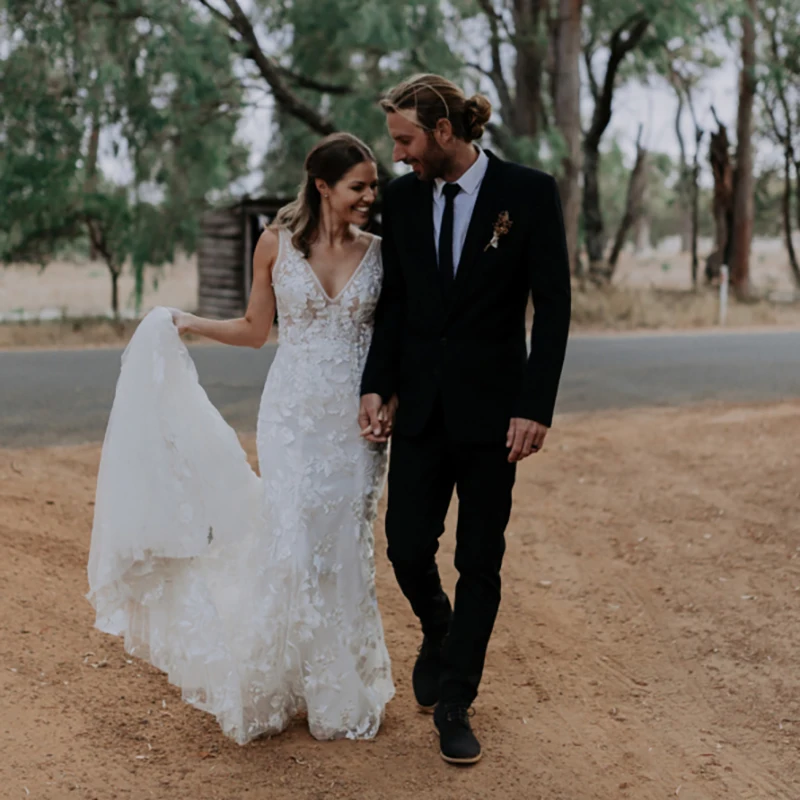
650 292
71 333
624 308
82 332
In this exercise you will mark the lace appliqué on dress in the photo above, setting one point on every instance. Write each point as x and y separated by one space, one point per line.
256 596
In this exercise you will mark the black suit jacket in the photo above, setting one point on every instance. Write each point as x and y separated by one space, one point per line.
472 349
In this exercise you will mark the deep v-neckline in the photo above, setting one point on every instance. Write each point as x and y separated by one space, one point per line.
349 280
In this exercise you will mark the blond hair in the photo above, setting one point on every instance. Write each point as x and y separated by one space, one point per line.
433 98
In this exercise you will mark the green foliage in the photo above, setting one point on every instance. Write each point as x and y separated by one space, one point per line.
364 45
81 74
162 83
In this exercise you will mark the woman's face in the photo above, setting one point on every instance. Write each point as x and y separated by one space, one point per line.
352 197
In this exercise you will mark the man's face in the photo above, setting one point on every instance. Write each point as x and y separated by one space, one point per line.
415 146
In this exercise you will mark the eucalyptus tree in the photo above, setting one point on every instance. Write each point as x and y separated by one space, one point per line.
112 132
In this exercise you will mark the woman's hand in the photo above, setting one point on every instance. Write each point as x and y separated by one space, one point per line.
182 319
376 419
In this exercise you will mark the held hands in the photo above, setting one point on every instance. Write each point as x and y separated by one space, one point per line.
376 418
525 437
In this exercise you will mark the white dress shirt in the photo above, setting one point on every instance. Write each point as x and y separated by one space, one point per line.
463 205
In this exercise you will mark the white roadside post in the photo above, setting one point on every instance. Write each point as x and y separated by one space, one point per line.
723 294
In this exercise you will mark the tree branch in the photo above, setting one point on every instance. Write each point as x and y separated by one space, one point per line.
276 77
674 80
634 201
781 137
271 71
588 55
215 12
496 73
318 86
624 39
787 142
478 68
686 85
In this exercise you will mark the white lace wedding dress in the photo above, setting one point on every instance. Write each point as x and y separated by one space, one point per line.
255 595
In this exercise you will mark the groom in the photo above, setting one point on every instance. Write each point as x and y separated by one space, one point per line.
467 239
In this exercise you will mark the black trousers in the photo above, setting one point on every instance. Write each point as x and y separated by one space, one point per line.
423 472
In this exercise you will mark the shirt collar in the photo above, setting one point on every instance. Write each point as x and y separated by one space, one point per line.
471 180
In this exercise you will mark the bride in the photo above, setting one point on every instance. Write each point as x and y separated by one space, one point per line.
257 595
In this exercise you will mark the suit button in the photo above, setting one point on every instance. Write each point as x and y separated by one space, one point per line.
443 340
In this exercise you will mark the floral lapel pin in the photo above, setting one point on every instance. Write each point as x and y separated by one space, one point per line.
501 227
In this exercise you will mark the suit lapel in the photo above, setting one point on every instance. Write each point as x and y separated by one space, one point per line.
425 236
480 227
424 214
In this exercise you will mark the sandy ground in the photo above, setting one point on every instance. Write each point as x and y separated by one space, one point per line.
646 646
650 292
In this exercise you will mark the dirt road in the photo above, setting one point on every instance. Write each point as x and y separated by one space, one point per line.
646 645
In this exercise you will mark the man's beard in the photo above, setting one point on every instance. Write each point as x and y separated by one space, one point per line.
435 162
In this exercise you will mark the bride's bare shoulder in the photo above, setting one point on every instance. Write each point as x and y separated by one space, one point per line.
269 238
267 248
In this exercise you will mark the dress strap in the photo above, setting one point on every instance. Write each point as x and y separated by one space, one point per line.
284 243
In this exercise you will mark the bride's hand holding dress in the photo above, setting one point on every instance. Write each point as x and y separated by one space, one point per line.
254 594
251 330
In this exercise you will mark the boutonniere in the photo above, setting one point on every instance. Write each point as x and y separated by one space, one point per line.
502 226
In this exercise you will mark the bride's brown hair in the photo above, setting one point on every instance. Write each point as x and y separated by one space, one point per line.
433 98
329 160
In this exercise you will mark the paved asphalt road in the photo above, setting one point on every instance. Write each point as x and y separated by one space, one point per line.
64 396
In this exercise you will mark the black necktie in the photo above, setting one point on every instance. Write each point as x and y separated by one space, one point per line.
446 266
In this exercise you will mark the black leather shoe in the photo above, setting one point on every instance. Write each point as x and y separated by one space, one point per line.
427 669
457 742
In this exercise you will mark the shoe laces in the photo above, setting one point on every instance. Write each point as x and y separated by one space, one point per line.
459 714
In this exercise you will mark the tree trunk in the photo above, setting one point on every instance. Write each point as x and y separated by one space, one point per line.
528 68
114 290
633 204
684 173
497 75
567 117
593 226
641 233
686 222
698 135
786 207
623 40
99 243
91 173
722 170
683 86
744 185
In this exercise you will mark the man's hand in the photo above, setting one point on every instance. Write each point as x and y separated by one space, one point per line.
371 418
388 413
524 438
375 418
